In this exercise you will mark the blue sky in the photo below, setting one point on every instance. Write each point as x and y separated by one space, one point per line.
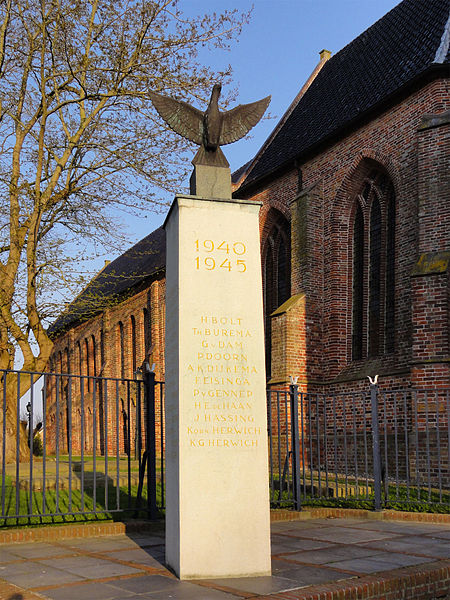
276 53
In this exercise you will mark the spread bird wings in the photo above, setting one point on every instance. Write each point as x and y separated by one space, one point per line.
182 118
238 121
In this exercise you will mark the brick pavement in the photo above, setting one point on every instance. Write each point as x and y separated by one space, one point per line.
317 558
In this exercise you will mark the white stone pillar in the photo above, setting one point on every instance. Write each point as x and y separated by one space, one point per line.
217 489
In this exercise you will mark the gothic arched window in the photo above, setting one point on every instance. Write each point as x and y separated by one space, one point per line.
283 277
147 332
133 345
67 360
121 340
276 273
358 283
373 268
87 369
102 352
94 356
374 278
389 320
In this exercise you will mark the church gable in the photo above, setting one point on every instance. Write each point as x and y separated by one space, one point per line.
407 44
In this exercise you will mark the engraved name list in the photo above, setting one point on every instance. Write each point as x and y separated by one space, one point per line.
222 385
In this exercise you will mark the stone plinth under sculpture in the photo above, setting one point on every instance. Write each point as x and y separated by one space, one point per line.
217 508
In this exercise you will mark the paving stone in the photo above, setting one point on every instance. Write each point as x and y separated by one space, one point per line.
256 585
346 535
302 576
188 591
300 544
147 584
6 556
437 552
147 540
339 522
396 560
438 534
91 568
426 547
405 528
445 535
329 555
422 540
107 570
361 565
282 548
279 565
107 543
138 556
89 591
32 575
288 526
38 550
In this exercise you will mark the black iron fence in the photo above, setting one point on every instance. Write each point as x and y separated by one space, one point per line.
86 447
372 449
80 447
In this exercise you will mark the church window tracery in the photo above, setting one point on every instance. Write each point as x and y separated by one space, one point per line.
373 268
94 356
67 360
147 333
121 340
276 273
374 278
133 345
86 363
358 283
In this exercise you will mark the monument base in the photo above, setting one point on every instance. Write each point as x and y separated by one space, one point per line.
217 487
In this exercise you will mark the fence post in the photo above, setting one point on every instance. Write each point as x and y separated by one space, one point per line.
149 384
375 443
293 388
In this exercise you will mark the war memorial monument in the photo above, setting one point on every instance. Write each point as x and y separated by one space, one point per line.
217 511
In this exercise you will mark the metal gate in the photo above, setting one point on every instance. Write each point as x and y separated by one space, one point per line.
78 447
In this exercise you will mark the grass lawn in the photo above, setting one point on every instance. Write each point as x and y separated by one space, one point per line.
104 503
399 497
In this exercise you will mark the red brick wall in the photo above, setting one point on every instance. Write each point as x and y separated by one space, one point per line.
433 150
415 162
109 406
416 159
431 283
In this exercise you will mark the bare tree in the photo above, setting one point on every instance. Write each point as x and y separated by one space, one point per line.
78 137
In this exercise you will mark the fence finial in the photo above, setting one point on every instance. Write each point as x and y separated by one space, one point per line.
373 381
293 380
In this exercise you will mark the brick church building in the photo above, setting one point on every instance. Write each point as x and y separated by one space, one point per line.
355 228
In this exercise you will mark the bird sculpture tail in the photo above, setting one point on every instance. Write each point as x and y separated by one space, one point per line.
215 158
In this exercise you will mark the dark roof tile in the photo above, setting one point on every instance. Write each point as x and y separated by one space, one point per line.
128 271
395 50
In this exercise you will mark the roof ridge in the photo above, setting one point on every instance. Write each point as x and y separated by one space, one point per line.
144 259
441 52
325 55
406 44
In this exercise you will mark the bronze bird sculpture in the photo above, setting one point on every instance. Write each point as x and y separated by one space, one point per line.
211 129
